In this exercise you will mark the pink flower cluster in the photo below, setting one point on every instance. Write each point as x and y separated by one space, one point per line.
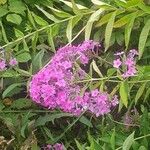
5 64
57 146
55 87
128 62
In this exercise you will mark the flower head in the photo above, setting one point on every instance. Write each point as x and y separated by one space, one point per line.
13 62
117 63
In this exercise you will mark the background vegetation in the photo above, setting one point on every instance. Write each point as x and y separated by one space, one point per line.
32 30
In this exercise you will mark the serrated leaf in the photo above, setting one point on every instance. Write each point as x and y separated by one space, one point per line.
140 92
128 142
109 29
14 18
94 17
48 15
10 88
50 118
143 37
124 93
128 29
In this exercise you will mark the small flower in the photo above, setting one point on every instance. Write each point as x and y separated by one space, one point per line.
117 63
13 62
129 62
119 53
2 65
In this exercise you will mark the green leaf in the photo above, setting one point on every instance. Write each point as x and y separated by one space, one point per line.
140 92
9 73
94 17
2 2
3 11
71 24
124 92
60 13
108 31
104 19
128 142
49 16
99 3
122 21
23 72
70 4
18 33
143 37
75 8
10 88
37 62
14 18
128 28
40 21
79 146
96 69
112 140
23 57
17 7
21 103
69 30
85 121
30 18
4 33
142 148
147 94
50 117
50 39
34 41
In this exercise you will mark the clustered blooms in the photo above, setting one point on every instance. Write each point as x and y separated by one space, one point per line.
5 64
57 146
128 62
54 86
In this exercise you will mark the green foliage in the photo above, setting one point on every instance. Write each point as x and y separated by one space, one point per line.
32 30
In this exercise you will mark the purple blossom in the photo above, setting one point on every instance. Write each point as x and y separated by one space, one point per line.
54 86
117 63
128 62
2 65
13 62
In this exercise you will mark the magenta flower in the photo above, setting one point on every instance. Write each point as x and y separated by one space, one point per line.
117 63
55 85
13 62
2 65
129 62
